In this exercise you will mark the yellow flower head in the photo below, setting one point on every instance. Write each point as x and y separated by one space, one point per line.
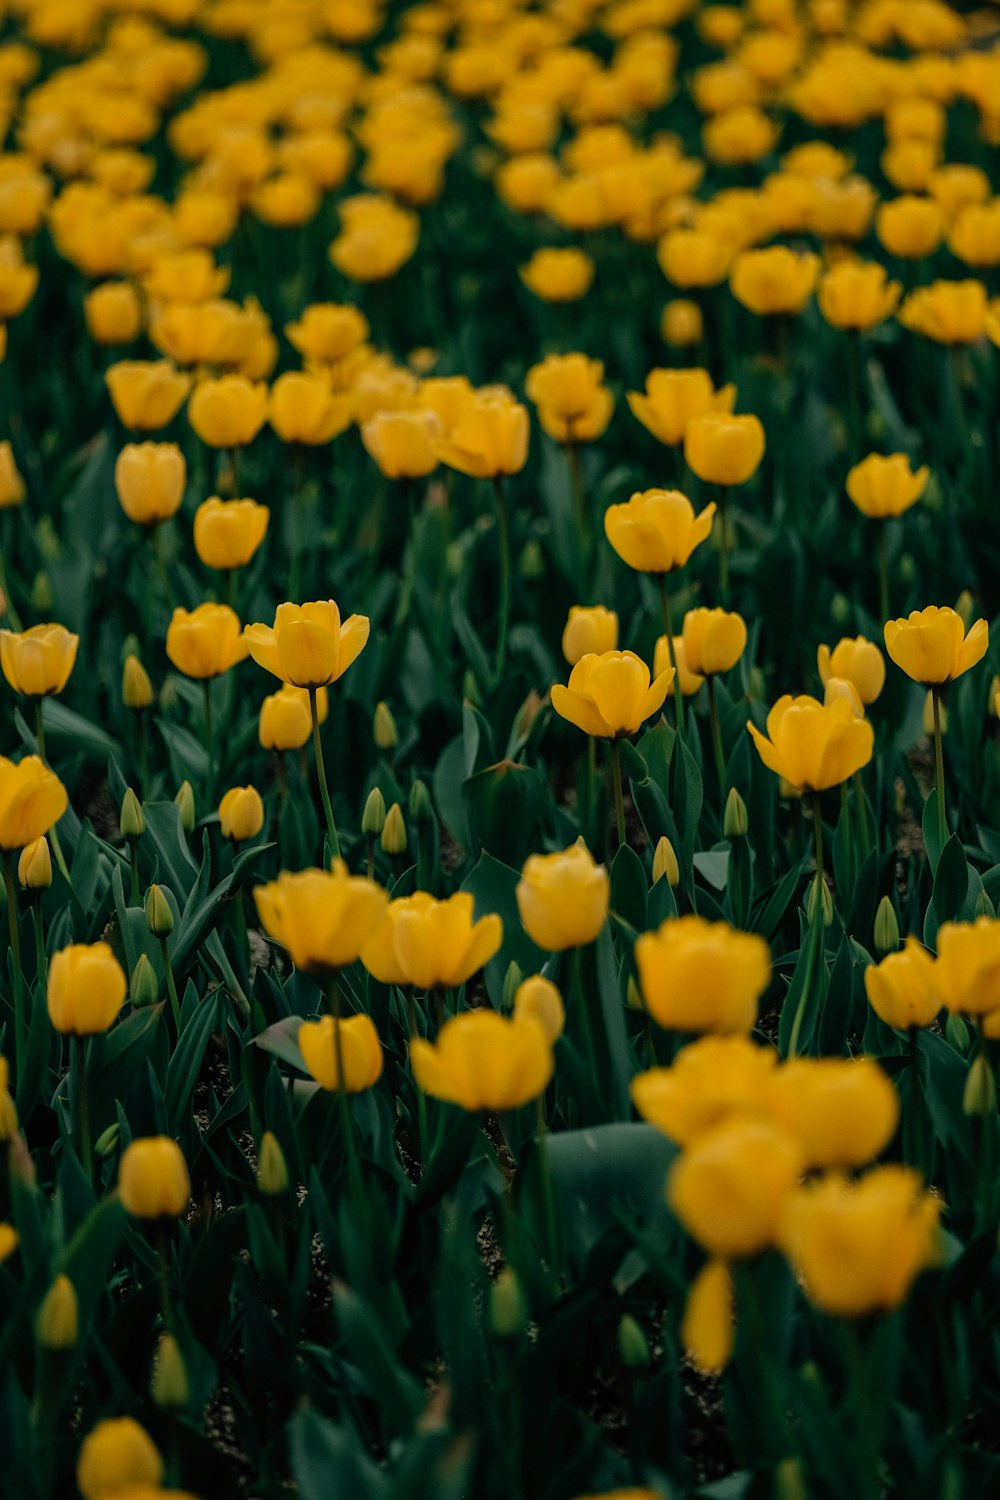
610 695
205 642
484 1062
86 989
884 486
558 275
657 530
32 800
574 405
673 397
859 661
38 662
227 533
153 1180
901 989
696 975
714 640
589 630
932 647
489 438
967 971
841 1111
723 449
308 646
949 312
711 1080
773 280
429 943
322 917
562 898
730 1186
353 1042
814 745
857 294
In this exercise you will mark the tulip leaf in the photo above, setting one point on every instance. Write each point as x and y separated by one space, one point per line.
65 728
185 1063
165 834
629 887
713 866
503 804
446 782
930 827
281 1040
493 884
329 1460
607 1175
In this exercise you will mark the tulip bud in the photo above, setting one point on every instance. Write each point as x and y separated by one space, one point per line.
470 689
34 868
511 981
531 564
507 1308
665 863
840 609
980 1094
373 817
527 714
790 1481
735 819
41 594
137 690
633 1345
394 832
384 728
58 1317
169 1386
272 1170
956 1032
886 927
159 917
633 995
757 683
421 807
131 819
142 987
107 1142
185 801
819 890
48 539
965 606
169 696
984 906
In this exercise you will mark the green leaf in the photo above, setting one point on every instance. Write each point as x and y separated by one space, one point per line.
608 1175
185 1064
502 806
329 1460
629 887
493 885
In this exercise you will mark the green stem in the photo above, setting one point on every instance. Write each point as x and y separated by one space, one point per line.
14 928
41 967
503 539
864 827
133 865
720 759
143 754
40 729
370 866
324 790
576 479
346 1121
411 1017
939 766
12 614
724 544
545 1169
161 566
163 1269
678 696
228 589
616 777
83 1105
168 970
883 570
206 690
818 832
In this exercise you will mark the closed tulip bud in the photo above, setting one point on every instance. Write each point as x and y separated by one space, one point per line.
373 817
143 988
956 1032
531 564
511 980
384 728
633 1345
57 1322
153 1180
241 813
86 989
735 819
589 630
965 607
820 892
980 1094
508 1311
394 832
886 927
34 867
421 807
113 313
169 1387
159 917
12 488
117 1455
681 323
107 1142
131 820
790 1481
984 906
184 800
272 1169
633 995
137 690
8 1109
539 998
665 863
41 594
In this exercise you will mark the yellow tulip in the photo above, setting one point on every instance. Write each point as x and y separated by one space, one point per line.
910 227
402 442
707 1331
610 695
773 280
86 989
308 646
150 480
153 1180
841 1111
113 313
562 898
967 970
688 681
227 533
353 1042
539 999
696 975
328 331
558 275
8 1109
489 438
32 800
430 943
116 1455
931 645
712 1079
286 719
484 1062
949 312
322 917
901 989
304 408
883 487
681 323
857 294
205 642
12 488
241 813
814 745
858 1246
38 662
724 449
146 395
590 630
714 641
574 406
228 412
137 690
34 867
673 397
859 661
657 530
57 1323
730 1186
694 258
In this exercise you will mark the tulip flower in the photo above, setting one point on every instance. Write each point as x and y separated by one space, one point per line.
714 641
909 227
673 397
38 662
116 1455
342 1054
949 312
857 295
484 1063
859 661
377 237
562 898
681 324
328 331
12 489
86 990
882 488
841 1111
305 409
696 975
901 989
691 258
723 449
153 1180
707 1331
113 312
150 480
322 917
228 412
241 813
285 720
589 630
146 395
402 443
558 275
713 1079
729 1187
227 533
773 280
538 998
429 943
858 1246
812 745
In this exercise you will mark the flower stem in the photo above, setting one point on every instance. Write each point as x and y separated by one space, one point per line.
545 1168
724 544
678 696
576 479
347 1123
616 778
720 759
13 924
411 1015
818 831
503 537
864 828
168 970
883 570
939 767
324 790
41 967
83 1105
40 730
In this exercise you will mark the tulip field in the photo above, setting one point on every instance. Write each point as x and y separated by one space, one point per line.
500 757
